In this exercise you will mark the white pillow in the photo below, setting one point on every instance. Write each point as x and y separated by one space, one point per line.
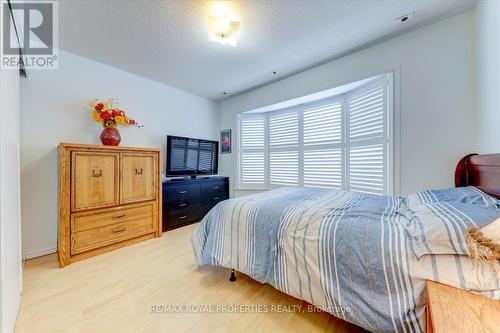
466 195
442 227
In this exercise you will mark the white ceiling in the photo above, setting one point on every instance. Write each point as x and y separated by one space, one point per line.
167 41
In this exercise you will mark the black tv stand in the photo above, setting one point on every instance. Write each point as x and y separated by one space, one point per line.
193 177
183 179
189 200
198 177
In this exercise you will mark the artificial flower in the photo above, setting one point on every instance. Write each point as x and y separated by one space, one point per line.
99 107
108 115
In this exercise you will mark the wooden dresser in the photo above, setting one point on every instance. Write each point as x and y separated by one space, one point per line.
110 197
453 310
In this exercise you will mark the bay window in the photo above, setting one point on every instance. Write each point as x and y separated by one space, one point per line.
340 142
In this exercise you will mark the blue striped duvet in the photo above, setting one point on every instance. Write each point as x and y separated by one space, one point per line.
345 252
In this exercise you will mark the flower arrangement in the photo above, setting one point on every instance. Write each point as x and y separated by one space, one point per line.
110 116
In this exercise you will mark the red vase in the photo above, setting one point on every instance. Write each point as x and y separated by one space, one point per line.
110 136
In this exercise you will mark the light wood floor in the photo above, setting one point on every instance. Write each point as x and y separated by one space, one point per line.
114 292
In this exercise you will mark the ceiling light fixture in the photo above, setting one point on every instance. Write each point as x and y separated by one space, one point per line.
222 26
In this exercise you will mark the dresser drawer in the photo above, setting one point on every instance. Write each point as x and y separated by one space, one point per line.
184 190
180 204
105 235
177 218
181 193
85 221
214 198
211 188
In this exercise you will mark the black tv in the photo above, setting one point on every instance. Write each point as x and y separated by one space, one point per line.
191 157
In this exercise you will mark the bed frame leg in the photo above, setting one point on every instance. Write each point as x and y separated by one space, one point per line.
232 278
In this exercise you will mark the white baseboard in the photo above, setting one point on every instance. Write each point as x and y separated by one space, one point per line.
39 253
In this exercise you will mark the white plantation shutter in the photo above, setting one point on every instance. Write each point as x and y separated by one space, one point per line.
252 168
252 150
323 124
284 148
323 168
366 144
322 130
340 142
366 169
284 168
366 113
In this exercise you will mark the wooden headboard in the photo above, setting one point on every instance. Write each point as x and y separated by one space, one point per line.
482 171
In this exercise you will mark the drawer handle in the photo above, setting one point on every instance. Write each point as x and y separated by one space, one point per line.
182 192
96 174
216 187
183 204
138 171
119 216
182 217
216 198
115 231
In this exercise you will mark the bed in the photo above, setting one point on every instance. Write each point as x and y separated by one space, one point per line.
364 258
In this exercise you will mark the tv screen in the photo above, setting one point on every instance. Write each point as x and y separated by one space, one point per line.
191 157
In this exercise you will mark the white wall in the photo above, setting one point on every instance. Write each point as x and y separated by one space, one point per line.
488 75
10 220
436 90
54 110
